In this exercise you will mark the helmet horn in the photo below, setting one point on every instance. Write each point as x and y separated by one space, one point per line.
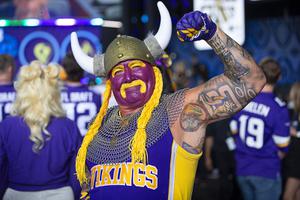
164 32
84 61
158 42
155 44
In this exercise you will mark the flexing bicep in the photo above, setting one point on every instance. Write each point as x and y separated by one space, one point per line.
217 99
226 94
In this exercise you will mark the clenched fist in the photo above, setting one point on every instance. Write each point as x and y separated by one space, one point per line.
195 26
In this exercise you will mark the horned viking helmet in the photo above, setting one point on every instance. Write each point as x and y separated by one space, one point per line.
125 47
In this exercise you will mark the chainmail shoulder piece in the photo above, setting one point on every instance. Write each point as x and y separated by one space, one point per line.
174 105
111 144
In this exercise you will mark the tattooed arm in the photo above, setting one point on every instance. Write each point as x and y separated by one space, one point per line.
221 96
226 94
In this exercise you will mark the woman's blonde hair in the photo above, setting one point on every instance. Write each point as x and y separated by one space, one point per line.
294 96
37 99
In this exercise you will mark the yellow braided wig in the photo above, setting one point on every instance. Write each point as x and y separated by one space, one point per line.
138 142
93 130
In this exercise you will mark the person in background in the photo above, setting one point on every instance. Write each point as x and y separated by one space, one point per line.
38 144
31 9
7 91
80 103
292 170
199 73
37 9
219 159
261 133
181 74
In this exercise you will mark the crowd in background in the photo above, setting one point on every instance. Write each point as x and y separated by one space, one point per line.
216 176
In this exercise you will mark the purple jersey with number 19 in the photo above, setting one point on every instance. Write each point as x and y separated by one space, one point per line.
260 130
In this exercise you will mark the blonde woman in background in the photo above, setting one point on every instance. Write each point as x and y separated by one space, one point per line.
38 144
292 187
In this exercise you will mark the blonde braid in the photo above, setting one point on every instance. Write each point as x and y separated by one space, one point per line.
93 130
138 142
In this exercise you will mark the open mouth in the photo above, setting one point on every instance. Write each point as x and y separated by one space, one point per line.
134 83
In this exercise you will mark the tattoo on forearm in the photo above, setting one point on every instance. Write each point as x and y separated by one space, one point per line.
234 70
191 149
219 99
223 98
246 54
226 94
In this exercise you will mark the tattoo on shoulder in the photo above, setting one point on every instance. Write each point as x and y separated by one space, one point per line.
192 116
191 149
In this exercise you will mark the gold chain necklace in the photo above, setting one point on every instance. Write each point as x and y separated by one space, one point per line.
124 122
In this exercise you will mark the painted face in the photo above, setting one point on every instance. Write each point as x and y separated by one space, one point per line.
132 83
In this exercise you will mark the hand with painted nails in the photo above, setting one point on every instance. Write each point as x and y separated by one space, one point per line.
195 26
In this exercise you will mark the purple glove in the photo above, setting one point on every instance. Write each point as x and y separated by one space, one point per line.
195 26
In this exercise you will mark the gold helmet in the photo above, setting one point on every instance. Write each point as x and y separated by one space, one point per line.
125 47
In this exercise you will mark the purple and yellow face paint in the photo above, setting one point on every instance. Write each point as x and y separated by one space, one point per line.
132 83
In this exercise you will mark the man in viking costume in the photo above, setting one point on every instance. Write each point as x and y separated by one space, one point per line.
149 145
